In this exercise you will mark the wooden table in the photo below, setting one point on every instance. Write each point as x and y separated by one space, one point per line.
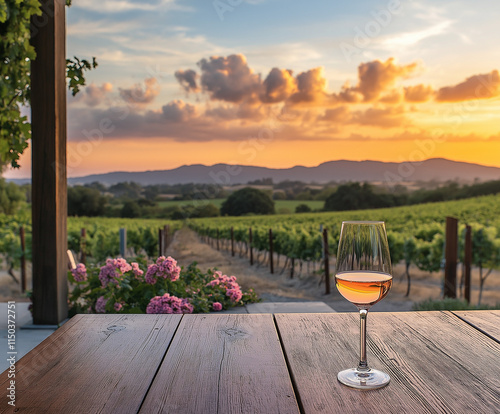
439 362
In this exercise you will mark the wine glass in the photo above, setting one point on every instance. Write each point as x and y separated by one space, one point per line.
364 277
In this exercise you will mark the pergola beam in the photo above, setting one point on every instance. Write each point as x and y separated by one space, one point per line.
49 186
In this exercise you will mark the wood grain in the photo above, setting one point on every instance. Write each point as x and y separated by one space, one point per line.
437 363
49 184
223 364
486 321
93 364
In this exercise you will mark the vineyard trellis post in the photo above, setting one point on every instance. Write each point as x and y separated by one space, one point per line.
327 262
123 242
271 264
451 255
218 246
23 259
83 245
48 154
160 242
250 245
467 261
232 241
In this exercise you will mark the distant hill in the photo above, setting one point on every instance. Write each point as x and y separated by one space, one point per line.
438 169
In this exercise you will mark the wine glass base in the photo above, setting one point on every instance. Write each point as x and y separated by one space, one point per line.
369 380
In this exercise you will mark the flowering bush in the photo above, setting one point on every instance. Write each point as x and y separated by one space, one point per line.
161 287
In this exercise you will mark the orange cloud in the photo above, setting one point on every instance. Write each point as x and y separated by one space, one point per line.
93 95
338 114
383 118
418 93
178 111
187 79
393 97
483 86
138 95
376 77
279 85
229 79
311 87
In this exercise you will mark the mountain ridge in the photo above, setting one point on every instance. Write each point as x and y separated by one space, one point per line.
438 169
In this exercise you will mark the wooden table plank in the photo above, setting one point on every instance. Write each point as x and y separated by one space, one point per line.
224 364
487 321
437 363
94 363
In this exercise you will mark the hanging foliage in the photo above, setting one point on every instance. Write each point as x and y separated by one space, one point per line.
16 54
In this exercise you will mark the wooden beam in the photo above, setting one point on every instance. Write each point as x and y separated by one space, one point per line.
49 188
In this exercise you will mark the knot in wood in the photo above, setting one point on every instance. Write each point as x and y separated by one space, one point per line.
116 328
235 333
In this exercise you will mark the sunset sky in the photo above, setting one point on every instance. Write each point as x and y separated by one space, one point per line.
280 83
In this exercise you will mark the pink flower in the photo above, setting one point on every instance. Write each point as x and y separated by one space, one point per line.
229 284
165 267
234 294
113 270
217 306
168 304
118 306
137 271
100 305
79 273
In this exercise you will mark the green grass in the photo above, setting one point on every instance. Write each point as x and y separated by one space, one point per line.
290 205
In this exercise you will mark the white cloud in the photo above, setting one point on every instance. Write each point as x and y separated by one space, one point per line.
411 38
117 6
88 28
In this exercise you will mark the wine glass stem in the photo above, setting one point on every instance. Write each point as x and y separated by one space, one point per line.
363 364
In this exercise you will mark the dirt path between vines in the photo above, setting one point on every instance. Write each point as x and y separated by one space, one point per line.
186 247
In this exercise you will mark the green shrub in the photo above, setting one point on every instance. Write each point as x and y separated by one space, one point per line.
161 287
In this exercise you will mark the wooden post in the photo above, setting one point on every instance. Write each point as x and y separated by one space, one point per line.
48 154
160 242
250 245
292 268
83 245
123 242
23 259
450 271
271 264
467 261
326 261
232 241
218 247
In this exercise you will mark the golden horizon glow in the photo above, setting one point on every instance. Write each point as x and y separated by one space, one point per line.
270 155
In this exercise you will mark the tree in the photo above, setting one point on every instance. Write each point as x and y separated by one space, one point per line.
12 197
302 208
131 209
245 201
279 195
16 55
355 196
85 201
128 190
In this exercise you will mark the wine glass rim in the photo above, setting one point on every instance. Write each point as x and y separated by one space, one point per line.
363 222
